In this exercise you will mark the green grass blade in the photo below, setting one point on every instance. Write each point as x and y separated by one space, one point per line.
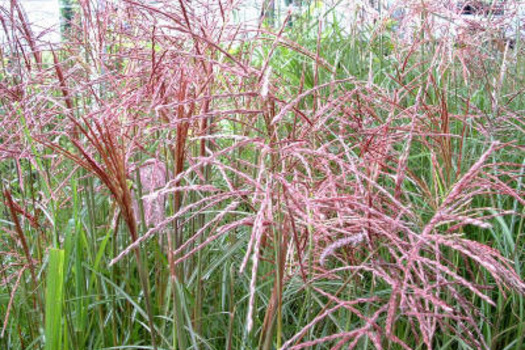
54 300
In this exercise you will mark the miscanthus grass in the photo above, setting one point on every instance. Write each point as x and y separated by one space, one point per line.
174 178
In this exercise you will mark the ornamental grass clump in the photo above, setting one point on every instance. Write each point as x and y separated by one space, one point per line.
288 182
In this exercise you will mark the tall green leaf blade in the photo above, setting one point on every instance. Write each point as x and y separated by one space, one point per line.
54 299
